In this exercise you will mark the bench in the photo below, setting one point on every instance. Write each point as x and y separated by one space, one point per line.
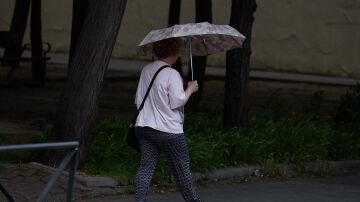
8 41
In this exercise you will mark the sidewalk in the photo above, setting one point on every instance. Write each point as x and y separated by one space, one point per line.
25 182
134 66
343 189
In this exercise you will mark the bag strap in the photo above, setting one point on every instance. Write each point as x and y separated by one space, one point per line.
151 83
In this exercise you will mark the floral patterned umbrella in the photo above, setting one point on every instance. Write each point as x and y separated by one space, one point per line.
199 39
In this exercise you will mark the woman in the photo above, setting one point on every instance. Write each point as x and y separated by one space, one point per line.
159 126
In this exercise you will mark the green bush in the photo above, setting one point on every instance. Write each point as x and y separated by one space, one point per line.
349 109
291 139
345 144
109 153
10 157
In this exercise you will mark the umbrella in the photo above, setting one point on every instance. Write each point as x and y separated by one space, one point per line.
199 39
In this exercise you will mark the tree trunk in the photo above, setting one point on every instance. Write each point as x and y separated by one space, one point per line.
236 102
17 30
203 13
38 64
77 107
78 18
174 18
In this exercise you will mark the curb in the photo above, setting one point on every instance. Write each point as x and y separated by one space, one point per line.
334 167
221 174
288 170
86 181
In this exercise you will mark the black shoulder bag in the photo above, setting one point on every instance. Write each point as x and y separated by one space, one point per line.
131 139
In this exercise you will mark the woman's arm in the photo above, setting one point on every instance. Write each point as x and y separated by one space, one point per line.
192 87
177 96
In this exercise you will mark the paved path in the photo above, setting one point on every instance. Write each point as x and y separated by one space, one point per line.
135 66
25 182
343 189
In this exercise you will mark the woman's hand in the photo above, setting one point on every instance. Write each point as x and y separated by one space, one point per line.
192 86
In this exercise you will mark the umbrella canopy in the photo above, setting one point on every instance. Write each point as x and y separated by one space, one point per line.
204 38
199 39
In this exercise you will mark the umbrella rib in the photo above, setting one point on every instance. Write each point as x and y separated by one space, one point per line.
172 31
203 41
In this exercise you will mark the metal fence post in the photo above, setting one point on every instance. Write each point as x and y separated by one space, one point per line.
74 164
72 157
6 194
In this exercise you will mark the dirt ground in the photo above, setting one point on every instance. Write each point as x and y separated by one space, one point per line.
27 108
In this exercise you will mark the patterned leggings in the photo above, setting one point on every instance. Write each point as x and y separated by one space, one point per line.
175 149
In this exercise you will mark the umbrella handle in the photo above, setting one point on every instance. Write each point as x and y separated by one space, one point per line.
191 63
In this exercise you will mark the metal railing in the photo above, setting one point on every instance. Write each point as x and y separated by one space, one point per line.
71 157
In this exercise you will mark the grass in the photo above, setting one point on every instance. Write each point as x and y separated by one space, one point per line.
293 138
10 156
20 156
109 153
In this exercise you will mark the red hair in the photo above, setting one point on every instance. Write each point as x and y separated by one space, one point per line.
167 47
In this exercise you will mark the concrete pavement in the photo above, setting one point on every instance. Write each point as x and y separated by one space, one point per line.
25 182
340 189
133 67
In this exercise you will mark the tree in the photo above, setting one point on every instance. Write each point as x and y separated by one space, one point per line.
38 66
236 102
174 18
79 13
14 37
17 30
77 107
203 13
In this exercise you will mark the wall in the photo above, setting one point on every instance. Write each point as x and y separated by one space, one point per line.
305 36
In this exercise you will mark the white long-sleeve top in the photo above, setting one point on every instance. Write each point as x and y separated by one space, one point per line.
164 107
